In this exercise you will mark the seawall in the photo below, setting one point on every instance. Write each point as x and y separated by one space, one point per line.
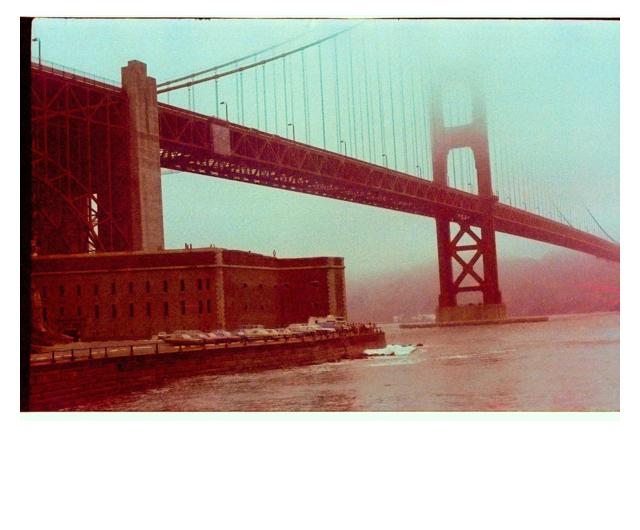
65 385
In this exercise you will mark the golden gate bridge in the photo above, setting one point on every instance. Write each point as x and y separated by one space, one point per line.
339 116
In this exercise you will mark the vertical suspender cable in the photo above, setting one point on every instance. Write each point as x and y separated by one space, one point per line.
324 133
217 105
404 116
393 118
264 96
507 154
337 98
427 138
350 115
380 107
365 87
352 107
275 99
292 93
255 78
304 99
237 97
415 121
286 98
516 179
242 97
368 108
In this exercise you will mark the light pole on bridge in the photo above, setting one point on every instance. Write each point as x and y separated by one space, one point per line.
386 160
36 39
345 147
419 170
226 109
293 130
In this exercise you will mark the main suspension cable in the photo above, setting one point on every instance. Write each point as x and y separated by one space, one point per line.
252 65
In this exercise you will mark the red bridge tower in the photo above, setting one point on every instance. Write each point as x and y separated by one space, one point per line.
472 250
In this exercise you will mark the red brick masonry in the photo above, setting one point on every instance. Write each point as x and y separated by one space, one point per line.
133 295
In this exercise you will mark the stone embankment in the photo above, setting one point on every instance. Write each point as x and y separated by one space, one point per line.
79 380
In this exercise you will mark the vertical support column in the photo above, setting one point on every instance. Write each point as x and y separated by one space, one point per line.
331 287
342 291
443 139
144 155
219 287
490 289
447 296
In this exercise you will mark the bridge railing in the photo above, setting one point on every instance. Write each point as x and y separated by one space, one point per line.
93 352
72 73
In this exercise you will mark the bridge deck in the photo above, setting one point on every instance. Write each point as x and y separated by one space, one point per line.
206 145
201 144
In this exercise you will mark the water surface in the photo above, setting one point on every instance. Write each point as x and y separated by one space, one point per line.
570 363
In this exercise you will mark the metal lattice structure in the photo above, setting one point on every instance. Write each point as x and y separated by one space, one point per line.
80 161
188 142
81 184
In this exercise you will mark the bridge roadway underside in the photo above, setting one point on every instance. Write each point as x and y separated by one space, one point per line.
81 139
201 144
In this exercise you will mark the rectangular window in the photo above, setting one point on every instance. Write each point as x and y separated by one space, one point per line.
200 306
61 289
78 290
183 307
148 309
182 285
130 287
95 289
166 309
44 314
208 306
96 311
61 311
147 286
114 311
113 288
130 310
199 284
208 284
79 311
165 286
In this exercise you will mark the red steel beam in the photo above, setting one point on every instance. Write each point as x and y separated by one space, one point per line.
188 143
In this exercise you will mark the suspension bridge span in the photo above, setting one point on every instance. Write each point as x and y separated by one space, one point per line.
98 149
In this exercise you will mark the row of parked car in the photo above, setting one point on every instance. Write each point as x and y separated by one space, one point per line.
250 333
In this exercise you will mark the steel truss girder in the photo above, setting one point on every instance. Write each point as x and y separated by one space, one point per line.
79 155
269 160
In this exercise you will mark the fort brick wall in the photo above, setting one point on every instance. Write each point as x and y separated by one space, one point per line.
129 295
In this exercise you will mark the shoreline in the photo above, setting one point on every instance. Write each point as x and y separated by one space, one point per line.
73 382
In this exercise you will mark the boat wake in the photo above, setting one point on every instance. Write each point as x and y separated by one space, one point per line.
393 350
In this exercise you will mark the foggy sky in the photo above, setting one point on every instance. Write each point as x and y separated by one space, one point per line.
552 92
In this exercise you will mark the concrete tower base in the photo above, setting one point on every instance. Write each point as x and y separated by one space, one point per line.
471 312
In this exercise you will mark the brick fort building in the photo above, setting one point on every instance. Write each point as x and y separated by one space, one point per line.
131 295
